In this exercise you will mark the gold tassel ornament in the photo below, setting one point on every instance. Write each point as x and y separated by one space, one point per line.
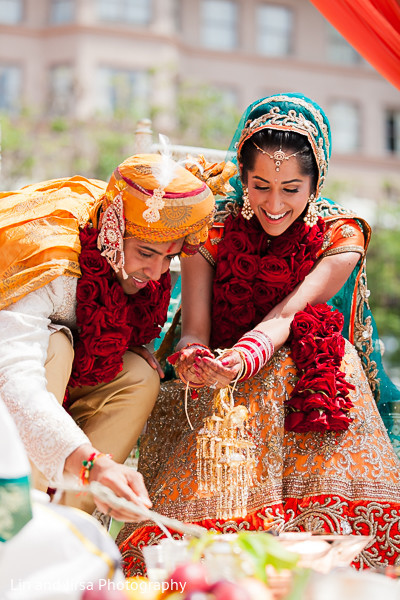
226 464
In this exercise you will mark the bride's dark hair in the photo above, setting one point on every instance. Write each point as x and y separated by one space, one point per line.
288 141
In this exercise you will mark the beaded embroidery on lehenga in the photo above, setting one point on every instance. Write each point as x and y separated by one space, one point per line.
332 482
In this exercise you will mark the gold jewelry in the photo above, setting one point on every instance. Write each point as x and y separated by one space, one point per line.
278 156
226 456
110 240
311 216
247 211
154 204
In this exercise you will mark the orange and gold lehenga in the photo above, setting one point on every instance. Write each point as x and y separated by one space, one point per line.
336 482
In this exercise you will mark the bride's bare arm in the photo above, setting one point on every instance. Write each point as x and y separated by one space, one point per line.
322 283
197 278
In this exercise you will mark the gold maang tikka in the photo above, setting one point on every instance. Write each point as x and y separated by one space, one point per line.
226 463
278 156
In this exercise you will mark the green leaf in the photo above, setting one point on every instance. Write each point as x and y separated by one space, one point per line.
264 549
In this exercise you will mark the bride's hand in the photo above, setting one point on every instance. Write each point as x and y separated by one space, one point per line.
219 372
185 364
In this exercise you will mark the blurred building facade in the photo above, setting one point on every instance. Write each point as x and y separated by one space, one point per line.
81 58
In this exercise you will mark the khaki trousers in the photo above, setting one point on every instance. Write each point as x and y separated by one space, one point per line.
111 414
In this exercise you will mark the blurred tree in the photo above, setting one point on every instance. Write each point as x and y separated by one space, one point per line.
383 272
207 116
38 147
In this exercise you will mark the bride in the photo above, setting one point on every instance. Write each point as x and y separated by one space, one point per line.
275 314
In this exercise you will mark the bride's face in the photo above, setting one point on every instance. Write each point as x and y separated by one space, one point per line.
277 198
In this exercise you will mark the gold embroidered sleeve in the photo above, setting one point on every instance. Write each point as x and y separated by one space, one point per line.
343 235
210 249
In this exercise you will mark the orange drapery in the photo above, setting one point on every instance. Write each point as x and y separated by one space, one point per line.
372 27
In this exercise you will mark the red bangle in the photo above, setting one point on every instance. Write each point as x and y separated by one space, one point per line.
87 466
255 349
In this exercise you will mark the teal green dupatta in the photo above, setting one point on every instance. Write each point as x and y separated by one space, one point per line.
360 329
15 506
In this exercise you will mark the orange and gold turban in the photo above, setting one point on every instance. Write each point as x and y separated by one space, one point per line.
186 203
155 199
40 224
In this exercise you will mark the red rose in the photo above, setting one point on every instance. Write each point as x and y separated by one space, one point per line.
147 292
303 269
293 421
320 311
333 325
229 225
116 318
316 420
315 235
304 351
276 271
343 386
224 269
143 313
245 266
111 341
318 381
304 324
317 402
88 237
108 367
240 243
283 245
89 314
83 365
333 344
339 421
298 230
92 263
243 316
330 351
295 401
91 291
115 297
262 295
237 291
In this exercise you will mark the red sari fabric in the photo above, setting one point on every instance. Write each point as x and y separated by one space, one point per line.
372 27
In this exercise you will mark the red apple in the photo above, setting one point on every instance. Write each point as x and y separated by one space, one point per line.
227 590
190 577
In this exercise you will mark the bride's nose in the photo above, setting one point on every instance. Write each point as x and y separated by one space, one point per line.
274 204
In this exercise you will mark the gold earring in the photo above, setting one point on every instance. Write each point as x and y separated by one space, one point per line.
247 211
311 216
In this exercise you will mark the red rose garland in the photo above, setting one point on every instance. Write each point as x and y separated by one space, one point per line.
110 321
319 400
255 272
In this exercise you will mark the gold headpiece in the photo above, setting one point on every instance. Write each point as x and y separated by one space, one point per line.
278 156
